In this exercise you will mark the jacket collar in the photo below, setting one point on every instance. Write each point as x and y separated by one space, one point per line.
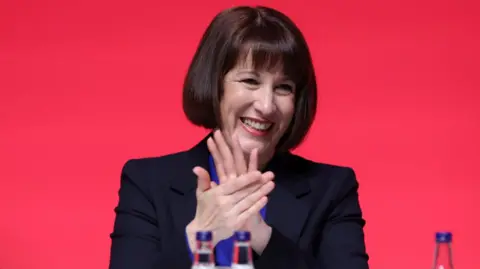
196 156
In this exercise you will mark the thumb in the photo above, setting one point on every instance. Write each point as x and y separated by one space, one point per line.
203 178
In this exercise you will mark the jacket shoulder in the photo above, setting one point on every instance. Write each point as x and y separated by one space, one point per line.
311 166
322 174
148 170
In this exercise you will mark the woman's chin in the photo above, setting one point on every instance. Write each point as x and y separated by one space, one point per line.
249 145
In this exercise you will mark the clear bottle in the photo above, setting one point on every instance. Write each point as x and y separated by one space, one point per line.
242 251
443 251
203 257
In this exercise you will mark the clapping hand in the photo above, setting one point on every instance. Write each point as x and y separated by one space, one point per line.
231 163
235 203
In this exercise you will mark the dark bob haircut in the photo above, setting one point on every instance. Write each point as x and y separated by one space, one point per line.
273 41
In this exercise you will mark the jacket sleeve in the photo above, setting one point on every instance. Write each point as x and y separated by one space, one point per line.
136 240
340 243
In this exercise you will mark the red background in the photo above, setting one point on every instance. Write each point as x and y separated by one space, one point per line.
86 86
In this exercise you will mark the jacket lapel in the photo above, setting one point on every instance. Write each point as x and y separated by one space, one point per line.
285 209
183 185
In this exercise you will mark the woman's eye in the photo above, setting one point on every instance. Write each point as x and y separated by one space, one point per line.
285 88
250 81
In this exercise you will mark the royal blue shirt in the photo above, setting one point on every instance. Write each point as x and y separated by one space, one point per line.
224 248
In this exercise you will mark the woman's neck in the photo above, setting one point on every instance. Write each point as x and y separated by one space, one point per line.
262 160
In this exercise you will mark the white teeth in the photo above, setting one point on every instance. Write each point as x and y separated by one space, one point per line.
257 125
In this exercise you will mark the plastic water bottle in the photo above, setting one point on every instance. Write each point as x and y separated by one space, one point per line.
242 251
443 251
203 256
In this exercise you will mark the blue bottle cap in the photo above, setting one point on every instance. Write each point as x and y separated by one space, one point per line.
242 236
443 237
204 236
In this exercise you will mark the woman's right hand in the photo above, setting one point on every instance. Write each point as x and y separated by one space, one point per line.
225 208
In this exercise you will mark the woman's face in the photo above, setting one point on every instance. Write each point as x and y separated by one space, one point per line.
257 106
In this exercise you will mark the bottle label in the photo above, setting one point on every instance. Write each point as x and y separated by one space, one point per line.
242 255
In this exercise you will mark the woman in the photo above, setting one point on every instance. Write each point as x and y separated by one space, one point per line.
252 82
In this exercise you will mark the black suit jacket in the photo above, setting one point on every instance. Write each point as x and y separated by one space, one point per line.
313 210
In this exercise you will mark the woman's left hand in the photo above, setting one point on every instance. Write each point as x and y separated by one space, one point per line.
232 164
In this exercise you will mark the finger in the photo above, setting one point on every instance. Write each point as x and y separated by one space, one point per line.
226 155
217 159
251 199
253 160
239 183
203 178
254 209
269 175
238 156
241 194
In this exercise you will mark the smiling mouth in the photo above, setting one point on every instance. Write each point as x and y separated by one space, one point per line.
255 126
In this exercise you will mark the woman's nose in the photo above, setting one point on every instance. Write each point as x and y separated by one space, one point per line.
264 102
